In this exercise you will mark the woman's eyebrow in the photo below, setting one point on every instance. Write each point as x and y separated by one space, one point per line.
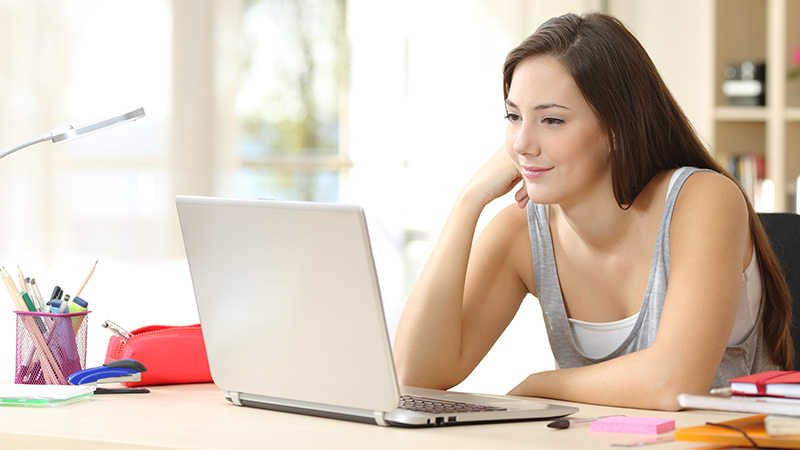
541 107
549 106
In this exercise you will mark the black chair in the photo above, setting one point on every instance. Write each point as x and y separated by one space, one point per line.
783 230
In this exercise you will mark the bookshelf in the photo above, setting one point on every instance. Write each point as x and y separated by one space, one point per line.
765 31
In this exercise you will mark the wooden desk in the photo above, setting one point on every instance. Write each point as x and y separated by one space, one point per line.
197 416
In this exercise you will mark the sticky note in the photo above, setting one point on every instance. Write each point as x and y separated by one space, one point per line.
636 425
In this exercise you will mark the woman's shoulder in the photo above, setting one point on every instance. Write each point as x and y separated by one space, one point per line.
709 189
507 232
511 218
710 201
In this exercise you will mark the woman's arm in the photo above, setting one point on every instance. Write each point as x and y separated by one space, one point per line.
466 295
709 247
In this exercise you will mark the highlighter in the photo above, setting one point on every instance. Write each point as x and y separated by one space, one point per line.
78 305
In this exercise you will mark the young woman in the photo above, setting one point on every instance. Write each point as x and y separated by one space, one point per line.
653 272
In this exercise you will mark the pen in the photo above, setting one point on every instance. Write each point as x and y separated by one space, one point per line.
29 289
562 424
37 296
64 308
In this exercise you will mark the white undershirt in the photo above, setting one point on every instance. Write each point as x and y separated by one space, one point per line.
598 339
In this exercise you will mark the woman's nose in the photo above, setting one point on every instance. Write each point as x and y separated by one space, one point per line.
525 142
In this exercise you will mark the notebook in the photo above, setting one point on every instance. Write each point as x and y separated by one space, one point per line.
291 312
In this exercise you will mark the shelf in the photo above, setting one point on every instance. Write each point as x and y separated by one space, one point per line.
759 30
741 113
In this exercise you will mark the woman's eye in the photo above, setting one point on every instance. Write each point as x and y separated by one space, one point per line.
511 117
552 121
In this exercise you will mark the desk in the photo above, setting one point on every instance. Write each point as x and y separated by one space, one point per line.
197 416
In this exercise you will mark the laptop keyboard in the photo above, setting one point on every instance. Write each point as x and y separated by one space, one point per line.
429 405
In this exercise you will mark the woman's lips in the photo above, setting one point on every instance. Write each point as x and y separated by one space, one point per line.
531 172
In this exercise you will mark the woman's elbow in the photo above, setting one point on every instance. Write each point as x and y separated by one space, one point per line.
666 391
424 376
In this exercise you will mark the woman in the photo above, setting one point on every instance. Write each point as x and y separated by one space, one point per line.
653 272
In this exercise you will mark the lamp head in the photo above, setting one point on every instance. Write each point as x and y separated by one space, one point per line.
67 133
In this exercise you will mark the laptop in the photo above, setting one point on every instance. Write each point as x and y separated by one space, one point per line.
292 317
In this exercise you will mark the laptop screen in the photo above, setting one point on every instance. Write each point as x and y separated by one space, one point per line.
289 301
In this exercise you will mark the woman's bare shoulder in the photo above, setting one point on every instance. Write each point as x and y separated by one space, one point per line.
711 192
711 208
509 226
506 238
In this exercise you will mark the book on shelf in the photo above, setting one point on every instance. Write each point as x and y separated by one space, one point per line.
750 171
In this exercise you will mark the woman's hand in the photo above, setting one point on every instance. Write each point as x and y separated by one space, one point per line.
497 177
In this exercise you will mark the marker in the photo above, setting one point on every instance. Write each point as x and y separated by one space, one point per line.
58 306
28 302
562 424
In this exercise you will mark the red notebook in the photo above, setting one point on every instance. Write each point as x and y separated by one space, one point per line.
774 383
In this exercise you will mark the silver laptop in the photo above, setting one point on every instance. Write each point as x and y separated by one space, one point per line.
293 321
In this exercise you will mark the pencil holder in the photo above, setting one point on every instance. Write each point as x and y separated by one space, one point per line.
50 347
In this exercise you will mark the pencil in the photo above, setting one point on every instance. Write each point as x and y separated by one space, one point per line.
80 289
12 289
21 279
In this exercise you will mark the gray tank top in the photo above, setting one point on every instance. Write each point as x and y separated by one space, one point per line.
751 356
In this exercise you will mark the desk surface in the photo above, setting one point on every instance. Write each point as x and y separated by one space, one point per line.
197 416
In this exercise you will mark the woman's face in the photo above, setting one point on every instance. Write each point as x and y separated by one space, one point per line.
553 135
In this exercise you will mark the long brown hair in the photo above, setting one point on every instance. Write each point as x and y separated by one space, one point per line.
647 131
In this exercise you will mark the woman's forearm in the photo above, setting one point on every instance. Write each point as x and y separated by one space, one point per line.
428 340
637 380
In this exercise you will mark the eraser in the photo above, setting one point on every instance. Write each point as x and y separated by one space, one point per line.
636 425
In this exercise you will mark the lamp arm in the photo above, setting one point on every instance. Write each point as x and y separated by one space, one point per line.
45 137
67 132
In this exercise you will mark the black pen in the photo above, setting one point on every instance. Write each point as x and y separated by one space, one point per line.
562 424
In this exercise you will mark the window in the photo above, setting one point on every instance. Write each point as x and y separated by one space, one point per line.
292 101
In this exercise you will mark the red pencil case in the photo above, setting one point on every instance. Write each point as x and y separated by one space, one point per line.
171 354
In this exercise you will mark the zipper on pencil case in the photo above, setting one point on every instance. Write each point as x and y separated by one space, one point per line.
148 331
117 330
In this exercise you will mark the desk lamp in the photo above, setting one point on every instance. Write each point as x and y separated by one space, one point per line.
66 133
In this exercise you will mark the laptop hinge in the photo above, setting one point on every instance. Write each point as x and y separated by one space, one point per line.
235 398
379 418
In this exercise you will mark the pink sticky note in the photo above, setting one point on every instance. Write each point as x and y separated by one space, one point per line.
636 425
